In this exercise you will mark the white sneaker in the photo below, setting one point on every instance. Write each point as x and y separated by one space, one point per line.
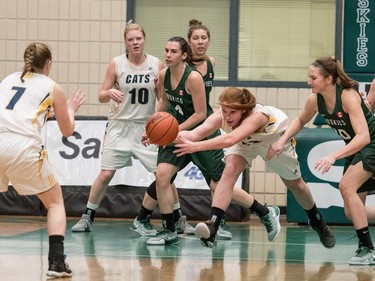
83 225
272 222
223 230
182 227
143 227
164 237
363 256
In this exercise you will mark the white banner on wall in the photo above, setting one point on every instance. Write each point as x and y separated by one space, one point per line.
77 159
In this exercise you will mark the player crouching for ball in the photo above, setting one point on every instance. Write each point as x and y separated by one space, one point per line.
250 129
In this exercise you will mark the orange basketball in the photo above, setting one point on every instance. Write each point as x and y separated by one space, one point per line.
162 128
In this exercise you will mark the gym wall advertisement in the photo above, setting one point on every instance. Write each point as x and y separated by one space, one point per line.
77 163
77 159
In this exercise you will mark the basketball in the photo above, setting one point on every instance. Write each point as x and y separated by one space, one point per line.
161 128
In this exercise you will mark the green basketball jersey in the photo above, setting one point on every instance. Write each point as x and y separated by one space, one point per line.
208 84
339 120
180 101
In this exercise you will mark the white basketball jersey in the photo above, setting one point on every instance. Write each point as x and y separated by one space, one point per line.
24 107
137 83
277 123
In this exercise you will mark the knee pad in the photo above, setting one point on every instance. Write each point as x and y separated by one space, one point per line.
151 190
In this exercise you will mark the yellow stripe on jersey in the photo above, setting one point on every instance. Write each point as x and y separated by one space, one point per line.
271 121
42 155
28 75
52 180
294 144
43 107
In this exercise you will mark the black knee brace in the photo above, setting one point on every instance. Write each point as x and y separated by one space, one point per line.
151 190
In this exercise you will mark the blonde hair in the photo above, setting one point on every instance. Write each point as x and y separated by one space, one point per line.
36 56
133 26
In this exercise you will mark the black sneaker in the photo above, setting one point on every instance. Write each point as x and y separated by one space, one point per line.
205 231
325 234
59 269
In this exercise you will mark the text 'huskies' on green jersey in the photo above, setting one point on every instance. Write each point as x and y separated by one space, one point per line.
339 120
180 101
208 84
137 83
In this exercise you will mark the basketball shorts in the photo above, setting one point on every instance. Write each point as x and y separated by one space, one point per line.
286 165
209 162
24 163
122 142
368 161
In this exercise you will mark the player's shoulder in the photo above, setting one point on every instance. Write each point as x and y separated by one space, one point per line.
212 60
163 71
10 77
193 72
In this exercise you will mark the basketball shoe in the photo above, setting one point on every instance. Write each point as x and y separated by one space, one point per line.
58 269
325 234
272 223
164 237
205 231
223 230
363 256
83 225
143 227
182 226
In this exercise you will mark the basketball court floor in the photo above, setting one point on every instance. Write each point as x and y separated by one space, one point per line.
113 253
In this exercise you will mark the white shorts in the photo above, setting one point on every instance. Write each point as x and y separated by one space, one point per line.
286 165
25 165
122 142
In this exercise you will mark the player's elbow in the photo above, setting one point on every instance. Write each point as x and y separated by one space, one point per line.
364 140
367 140
67 131
202 116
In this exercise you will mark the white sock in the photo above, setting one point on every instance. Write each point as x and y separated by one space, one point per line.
92 206
176 206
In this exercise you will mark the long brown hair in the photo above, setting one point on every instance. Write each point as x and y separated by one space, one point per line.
35 57
184 47
331 66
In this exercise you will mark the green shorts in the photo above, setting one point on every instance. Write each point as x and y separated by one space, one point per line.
368 161
209 162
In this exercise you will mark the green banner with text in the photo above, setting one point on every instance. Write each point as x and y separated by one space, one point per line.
359 39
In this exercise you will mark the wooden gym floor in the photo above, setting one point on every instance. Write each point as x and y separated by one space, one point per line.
113 253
